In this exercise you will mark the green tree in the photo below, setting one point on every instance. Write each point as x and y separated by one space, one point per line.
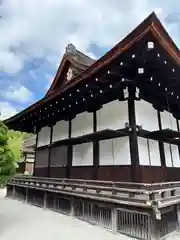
8 162
15 141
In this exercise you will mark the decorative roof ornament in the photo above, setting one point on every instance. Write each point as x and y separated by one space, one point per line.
69 74
71 49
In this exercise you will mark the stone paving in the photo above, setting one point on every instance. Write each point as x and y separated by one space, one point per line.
20 221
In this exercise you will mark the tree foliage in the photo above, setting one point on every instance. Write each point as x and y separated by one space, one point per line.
15 141
7 159
10 151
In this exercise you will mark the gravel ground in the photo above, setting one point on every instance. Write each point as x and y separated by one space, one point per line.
19 221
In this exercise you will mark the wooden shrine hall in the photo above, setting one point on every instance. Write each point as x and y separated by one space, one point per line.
114 119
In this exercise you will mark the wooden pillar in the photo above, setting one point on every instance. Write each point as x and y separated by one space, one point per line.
178 128
155 230
49 155
177 122
69 152
161 145
34 167
95 148
161 148
135 169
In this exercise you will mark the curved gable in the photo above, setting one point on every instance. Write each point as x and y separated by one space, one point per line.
73 63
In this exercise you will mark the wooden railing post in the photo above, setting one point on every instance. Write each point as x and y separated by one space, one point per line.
14 192
45 199
114 219
26 198
72 207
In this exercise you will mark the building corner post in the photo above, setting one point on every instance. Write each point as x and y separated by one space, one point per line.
133 137
154 230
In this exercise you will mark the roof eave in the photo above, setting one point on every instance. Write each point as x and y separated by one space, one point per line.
151 23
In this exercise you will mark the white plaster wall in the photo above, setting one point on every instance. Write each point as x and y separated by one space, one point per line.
44 136
146 115
83 154
167 155
148 156
88 123
60 130
59 156
114 152
82 124
174 123
155 158
112 115
121 150
143 152
77 125
106 152
42 157
77 155
168 121
175 155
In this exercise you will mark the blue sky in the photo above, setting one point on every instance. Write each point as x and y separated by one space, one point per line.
34 35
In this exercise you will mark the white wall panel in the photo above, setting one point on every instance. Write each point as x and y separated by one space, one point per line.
87 158
173 123
121 150
59 156
175 155
82 124
167 155
143 152
44 136
146 115
113 115
83 154
155 158
77 155
60 130
77 125
115 152
106 152
88 123
165 120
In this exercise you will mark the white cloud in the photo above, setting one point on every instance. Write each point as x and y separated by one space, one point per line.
42 28
33 75
18 94
31 28
6 110
10 63
50 79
